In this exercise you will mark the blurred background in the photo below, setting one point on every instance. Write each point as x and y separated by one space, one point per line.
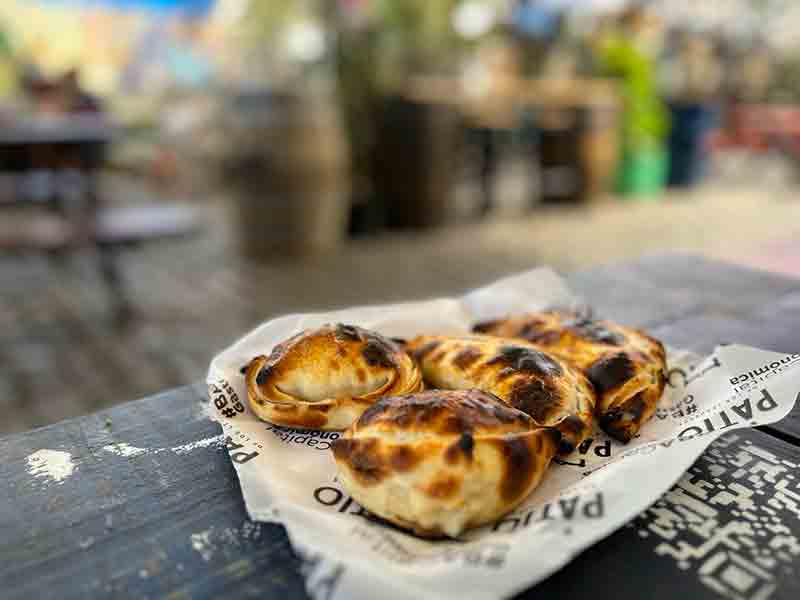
173 172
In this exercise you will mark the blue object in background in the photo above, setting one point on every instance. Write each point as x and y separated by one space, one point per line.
687 153
535 20
188 8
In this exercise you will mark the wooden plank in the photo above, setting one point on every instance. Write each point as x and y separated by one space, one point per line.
168 519
724 288
621 295
696 303
703 333
783 316
660 288
161 522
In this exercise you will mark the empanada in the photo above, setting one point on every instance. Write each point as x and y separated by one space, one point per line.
442 461
325 378
519 373
626 366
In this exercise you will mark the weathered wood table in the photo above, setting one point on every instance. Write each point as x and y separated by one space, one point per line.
141 500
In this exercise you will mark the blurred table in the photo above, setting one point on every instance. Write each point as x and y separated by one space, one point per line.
499 106
71 150
53 143
574 122
73 129
169 520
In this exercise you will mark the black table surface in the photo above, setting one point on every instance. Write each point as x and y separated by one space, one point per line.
171 522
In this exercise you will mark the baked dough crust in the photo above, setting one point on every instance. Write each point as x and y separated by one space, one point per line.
521 374
325 378
626 366
442 461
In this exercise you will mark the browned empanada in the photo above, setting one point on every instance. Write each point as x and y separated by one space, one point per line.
325 378
442 461
626 366
522 375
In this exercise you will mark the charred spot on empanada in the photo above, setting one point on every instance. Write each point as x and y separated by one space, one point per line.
467 357
263 374
442 411
326 377
486 326
594 331
466 442
526 360
347 332
379 352
542 337
535 330
462 448
621 420
535 397
574 428
367 462
442 461
620 362
610 372
520 374
541 400
403 459
517 471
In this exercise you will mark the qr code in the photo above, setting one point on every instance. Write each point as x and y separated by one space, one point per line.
726 519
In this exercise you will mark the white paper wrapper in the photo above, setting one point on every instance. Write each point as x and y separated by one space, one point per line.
288 476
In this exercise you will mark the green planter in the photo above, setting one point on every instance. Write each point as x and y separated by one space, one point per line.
642 172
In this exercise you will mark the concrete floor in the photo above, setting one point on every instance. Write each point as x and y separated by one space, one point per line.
61 356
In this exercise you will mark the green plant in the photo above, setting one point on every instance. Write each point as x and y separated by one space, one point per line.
645 119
